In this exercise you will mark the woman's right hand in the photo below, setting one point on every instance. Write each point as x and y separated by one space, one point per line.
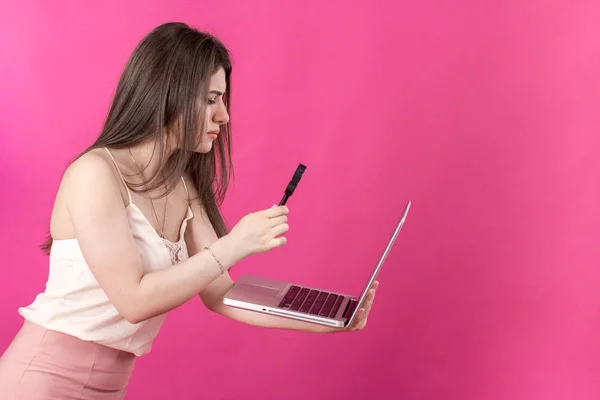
260 231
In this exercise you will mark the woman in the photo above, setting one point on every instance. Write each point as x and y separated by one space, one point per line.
136 231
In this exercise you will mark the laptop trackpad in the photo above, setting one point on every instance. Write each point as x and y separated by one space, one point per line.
257 290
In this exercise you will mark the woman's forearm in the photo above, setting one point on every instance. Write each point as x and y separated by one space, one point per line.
213 296
164 290
271 321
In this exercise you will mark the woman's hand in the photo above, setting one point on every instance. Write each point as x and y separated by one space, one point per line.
260 231
360 321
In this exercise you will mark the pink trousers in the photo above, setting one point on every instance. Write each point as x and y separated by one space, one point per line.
43 364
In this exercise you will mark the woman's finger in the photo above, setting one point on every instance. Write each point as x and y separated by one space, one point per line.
274 212
277 242
280 230
278 220
369 301
359 321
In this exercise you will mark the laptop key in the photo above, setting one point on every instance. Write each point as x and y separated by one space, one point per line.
336 306
289 297
299 299
351 307
310 299
318 303
328 305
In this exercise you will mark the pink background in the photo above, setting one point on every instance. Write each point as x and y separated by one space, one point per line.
484 114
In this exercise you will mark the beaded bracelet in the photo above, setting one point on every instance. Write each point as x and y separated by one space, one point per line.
216 259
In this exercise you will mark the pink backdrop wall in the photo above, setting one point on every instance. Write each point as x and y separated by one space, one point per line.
484 114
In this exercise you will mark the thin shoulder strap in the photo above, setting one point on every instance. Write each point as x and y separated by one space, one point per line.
120 174
186 189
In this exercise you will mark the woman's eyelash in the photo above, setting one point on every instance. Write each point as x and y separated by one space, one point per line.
212 101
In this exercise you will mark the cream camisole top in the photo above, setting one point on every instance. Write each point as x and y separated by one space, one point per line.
74 303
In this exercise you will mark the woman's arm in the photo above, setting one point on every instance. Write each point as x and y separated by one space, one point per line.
212 297
99 218
200 233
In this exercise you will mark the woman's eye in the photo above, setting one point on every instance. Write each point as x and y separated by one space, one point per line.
212 101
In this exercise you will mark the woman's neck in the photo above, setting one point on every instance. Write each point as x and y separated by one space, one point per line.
144 158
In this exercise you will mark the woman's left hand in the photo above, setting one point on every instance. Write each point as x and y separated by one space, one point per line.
360 321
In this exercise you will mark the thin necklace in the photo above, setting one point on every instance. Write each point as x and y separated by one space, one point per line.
161 233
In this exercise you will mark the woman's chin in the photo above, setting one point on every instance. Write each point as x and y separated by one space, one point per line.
204 147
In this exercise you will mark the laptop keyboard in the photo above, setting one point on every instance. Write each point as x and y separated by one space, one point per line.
311 301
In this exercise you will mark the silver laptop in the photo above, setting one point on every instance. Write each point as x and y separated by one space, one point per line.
301 302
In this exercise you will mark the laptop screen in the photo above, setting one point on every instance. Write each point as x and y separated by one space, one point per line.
380 263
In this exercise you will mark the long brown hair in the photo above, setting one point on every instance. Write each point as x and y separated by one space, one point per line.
166 82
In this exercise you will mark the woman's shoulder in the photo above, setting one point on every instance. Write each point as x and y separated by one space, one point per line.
93 171
89 183
94 165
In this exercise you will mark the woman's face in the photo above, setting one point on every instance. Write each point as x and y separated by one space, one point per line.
216 112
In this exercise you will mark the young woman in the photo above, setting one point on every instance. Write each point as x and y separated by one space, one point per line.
136 230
